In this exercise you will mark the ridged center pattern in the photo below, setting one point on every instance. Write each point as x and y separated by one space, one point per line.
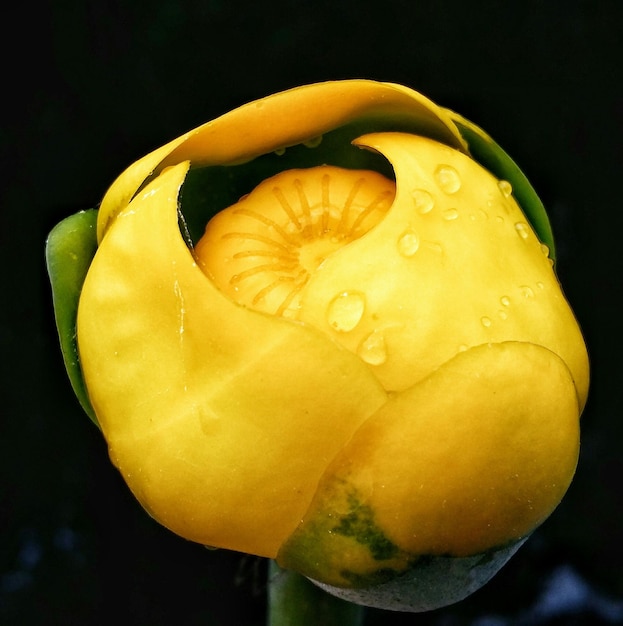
262 250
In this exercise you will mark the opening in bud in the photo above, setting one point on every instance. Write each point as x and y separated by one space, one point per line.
262 250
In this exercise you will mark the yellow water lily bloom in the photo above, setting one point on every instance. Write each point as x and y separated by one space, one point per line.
362 366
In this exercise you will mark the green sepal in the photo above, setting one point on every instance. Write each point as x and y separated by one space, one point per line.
489 154
69 250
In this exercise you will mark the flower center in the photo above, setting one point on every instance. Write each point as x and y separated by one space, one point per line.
262 250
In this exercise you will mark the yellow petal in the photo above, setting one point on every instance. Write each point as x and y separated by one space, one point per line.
453 264
128 183
220 419
471 459
286 119
297 115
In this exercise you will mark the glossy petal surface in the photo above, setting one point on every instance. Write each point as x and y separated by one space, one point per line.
473 457
453 265
282 120
406 414
221 419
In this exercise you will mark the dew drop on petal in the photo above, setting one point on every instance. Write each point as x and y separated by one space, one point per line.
408 243
447 178
314 142
423 201
345 311
522 230
450 214
434 246
505 301
485 321
373 349
526 291
545 249
502 315
505 187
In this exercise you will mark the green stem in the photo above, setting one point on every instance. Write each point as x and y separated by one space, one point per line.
294 601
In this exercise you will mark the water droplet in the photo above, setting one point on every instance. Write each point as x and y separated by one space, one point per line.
505 301
463 347
540 285
505 187
526 291
423 201
522 230
545 249
434 246
499 219
485 321
450 214
345 311
481 215
373 349
314 142
502 315
280 151
448 178
408 243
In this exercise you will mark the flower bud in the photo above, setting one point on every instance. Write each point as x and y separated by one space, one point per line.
325 328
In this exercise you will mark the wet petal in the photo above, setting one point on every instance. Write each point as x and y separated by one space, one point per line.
220 419
454 264
489 154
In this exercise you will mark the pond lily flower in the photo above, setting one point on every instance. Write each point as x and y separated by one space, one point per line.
325 328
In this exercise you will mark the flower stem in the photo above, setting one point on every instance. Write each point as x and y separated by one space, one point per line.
295 601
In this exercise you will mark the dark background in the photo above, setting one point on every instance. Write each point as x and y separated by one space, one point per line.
89 86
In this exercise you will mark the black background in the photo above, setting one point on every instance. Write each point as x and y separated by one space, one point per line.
91 86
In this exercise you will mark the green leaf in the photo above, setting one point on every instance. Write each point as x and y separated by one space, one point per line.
70 248
491 156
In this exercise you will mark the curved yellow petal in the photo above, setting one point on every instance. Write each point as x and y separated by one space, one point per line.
471 459
453 264
220 419
286 119
297 115
128 183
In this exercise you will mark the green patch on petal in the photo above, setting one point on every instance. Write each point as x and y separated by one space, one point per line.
378 577
360 525
431 582
70 248
341 543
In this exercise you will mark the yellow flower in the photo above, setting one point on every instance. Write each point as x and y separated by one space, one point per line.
364 369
